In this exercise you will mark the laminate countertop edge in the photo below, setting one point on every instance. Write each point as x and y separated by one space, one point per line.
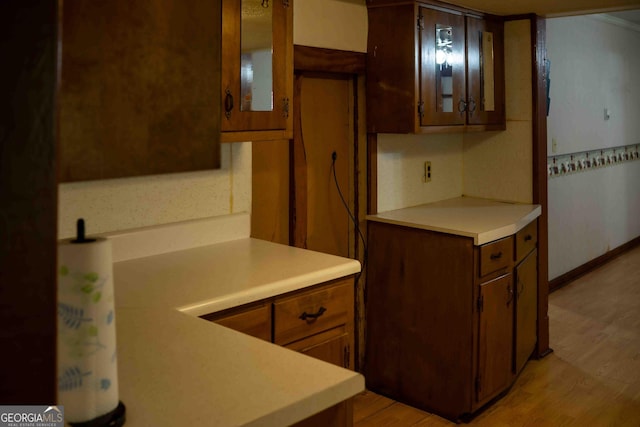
178 369
482 220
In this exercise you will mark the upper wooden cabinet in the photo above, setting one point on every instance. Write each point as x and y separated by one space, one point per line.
433 69
140 88
257 69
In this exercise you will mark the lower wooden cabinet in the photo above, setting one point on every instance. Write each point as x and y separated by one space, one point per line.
494 337
317 321
449 324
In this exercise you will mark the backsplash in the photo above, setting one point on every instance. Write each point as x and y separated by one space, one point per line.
571 163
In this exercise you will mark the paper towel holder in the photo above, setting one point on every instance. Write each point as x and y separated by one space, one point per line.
116 417
80 233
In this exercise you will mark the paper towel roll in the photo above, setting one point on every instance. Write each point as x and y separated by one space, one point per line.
87 363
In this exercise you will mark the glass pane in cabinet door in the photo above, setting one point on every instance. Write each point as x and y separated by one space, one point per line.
256 50
445 59
486 71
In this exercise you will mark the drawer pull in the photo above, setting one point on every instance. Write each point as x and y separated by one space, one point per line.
496 256
527 237
313 316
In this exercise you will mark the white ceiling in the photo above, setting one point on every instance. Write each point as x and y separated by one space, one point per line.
548 8
632 16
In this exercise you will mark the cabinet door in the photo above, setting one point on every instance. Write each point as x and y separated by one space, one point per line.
495 339
255 39
331 346
526 310
442 68
485 71
140 88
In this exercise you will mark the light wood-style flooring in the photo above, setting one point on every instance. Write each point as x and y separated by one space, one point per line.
591 379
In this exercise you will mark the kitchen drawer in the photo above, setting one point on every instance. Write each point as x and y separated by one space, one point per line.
526 240
496 256
303 315
254 321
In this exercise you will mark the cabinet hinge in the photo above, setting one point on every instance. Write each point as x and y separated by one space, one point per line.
285 107
347 354
421 109
420 22
480 303
285 3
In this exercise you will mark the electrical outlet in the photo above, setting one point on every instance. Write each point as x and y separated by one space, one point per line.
427 171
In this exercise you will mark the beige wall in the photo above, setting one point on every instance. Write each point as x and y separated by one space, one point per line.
332 24
498 165
120 204
401 161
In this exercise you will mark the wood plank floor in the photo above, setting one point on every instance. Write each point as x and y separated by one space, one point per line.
591 379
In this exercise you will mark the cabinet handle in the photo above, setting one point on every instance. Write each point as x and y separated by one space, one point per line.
528 237
228 104
313 316
496 256
472 106
462 106
520 287
510 292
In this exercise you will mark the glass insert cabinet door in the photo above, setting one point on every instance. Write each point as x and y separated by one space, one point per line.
254 65
485 71
461 69
442 68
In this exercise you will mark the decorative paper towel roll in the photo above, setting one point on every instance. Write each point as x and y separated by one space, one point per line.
87 364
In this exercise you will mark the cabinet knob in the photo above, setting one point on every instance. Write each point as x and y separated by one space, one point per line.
528 237
510 295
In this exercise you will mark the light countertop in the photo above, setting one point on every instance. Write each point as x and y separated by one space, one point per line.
481 219
212 278
177 369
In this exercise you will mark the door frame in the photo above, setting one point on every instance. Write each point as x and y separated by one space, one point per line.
331 63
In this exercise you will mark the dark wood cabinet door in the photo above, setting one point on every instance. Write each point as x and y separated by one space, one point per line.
442 68
485 71
140 88
526 310
240 109
495 338
332 346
